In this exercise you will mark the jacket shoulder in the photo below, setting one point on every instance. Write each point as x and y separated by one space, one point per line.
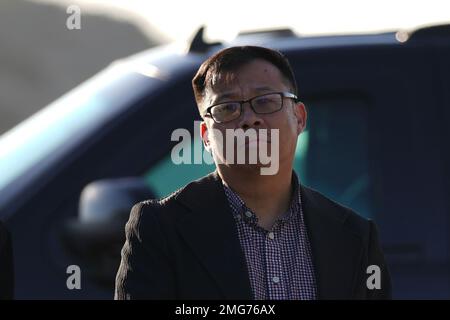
169 208
337 212
151 210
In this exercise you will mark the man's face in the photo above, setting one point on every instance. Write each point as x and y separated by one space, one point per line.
253 79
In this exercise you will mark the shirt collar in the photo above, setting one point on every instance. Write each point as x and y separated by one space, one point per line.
239 208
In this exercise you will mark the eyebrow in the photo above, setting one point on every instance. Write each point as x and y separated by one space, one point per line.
229 95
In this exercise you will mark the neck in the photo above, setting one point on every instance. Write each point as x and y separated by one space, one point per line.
268 196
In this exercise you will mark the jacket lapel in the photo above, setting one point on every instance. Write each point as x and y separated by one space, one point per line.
335 249
218 248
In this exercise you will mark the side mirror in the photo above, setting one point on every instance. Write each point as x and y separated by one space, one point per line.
97 235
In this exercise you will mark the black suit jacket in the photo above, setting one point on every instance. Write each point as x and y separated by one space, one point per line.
186 246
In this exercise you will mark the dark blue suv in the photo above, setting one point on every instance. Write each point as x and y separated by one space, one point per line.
377 141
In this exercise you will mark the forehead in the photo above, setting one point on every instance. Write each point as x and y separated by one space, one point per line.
257 75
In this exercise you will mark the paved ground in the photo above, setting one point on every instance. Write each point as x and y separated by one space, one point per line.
40 59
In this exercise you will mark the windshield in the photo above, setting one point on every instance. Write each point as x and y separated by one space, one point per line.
68 120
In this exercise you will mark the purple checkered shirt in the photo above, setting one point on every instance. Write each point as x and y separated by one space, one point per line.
279 261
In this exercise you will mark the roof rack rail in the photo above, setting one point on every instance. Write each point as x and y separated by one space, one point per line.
442 30
198 43
279 33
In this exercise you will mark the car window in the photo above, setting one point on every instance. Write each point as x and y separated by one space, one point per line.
166 177
333 154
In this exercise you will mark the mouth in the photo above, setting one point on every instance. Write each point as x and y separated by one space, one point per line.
256 142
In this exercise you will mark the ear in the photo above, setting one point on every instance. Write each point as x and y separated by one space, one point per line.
301 116
204 134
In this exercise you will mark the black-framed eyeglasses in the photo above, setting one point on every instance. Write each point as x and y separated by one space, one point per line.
263 104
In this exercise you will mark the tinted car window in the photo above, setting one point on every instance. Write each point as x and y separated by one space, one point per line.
332 156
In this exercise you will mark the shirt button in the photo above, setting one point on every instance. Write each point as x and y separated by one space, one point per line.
276 279
271 235
238 217
248 214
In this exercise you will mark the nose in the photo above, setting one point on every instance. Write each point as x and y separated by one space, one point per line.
248 118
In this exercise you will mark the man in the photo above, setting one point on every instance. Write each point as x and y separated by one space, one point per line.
241 234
